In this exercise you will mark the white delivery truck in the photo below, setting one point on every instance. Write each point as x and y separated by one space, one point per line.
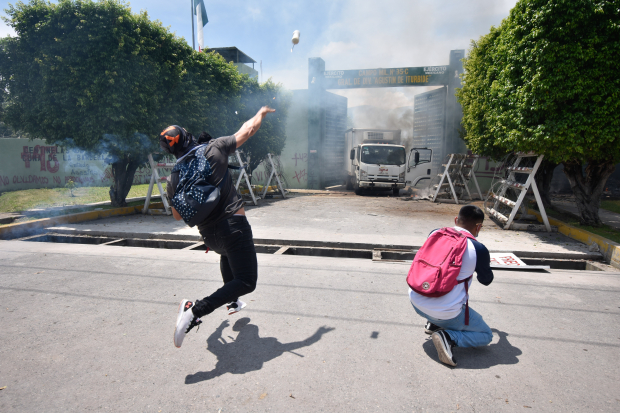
378 161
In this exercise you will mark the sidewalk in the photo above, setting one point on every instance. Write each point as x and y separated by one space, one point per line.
609 218
373 220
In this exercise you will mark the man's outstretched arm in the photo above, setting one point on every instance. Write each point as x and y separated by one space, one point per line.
483 264
251 127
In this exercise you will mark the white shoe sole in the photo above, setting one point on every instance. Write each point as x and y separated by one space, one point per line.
442 349
236 310
179 315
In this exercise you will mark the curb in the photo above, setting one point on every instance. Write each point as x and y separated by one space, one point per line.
34 212
23 229
609 249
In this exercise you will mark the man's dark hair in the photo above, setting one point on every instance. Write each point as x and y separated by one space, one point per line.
204 138
471 215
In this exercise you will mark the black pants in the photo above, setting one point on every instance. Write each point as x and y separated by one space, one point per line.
232 239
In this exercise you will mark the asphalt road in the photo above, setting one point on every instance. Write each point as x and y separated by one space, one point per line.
89 328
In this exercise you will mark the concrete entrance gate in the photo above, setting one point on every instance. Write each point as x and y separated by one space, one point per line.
437 115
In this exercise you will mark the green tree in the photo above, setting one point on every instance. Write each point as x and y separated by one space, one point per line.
546 81
271 137
95 76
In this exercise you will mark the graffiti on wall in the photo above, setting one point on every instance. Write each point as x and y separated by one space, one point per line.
26 164
293 170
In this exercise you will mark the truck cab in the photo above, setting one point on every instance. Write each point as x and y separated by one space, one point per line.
377 160
378 166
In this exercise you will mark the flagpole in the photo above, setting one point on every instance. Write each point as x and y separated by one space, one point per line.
191 7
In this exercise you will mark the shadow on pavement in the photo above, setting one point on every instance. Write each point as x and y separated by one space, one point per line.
248 352
501 352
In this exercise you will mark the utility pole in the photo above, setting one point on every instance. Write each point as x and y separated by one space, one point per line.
191 8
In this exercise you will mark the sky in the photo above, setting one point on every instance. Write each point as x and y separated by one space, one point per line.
347 34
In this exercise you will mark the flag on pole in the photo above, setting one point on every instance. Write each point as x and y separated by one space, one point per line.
201 17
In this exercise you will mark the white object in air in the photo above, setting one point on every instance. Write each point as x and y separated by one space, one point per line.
295 39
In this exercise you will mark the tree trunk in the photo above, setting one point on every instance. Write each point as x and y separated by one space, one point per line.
543 181
588 188
123 172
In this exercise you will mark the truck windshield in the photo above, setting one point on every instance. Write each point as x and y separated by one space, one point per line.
383 155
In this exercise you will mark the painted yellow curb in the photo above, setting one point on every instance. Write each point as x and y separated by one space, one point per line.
609 249
23 229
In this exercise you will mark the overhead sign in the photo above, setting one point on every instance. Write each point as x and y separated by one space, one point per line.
396 77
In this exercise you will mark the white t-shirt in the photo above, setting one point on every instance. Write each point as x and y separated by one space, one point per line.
449 306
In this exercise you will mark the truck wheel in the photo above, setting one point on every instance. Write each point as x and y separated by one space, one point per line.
357 189
396 191
349 184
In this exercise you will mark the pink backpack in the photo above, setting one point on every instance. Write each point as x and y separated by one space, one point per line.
437 264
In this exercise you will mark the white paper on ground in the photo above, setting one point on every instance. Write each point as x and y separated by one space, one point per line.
505 258
508 260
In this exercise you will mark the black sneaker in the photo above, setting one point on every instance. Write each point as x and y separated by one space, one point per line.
430 328
444 344
185 322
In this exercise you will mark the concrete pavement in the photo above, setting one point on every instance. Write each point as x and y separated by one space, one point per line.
344 218
90 328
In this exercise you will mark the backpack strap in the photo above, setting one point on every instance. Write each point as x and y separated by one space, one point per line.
466 281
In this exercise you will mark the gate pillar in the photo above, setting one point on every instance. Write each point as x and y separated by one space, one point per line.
316 114
454 112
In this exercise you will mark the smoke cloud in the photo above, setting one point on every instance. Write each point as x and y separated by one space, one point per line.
363 35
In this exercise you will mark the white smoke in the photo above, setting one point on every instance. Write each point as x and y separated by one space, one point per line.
363 35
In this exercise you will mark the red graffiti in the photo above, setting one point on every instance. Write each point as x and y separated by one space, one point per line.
57 180
302 157
38 153
30 179
4 180
301 176
107 174
259 176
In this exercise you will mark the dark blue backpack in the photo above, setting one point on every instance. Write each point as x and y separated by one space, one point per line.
195 197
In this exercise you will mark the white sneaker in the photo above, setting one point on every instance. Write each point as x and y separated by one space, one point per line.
235 307
185 322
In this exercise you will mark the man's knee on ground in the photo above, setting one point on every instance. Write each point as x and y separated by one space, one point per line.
489 336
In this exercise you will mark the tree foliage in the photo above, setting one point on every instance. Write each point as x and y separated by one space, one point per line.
546 80
95 76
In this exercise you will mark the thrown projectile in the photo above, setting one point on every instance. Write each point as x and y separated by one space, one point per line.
295 39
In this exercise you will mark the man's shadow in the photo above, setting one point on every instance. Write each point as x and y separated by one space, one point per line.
248 352
501 352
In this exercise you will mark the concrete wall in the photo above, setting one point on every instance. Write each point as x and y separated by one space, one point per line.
294 159
30 164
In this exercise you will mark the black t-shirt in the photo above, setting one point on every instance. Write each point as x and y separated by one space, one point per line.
217 153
